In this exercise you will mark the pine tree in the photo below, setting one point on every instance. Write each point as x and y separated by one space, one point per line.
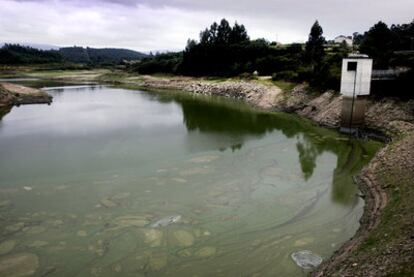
378 44
238 34
314 51
223 32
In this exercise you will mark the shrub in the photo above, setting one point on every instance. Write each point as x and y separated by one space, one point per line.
286 75
247 76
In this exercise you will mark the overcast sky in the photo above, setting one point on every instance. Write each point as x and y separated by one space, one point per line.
146 25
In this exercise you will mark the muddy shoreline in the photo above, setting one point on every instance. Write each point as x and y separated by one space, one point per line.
15 95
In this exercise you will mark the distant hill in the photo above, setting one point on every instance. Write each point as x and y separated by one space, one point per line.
23 54
39 46
17 54
95 55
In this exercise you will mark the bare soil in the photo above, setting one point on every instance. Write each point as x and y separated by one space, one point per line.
12 94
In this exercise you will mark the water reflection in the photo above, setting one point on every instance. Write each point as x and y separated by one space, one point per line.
307 157
235 121
137 121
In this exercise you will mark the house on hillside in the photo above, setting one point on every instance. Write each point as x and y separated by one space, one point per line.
341 39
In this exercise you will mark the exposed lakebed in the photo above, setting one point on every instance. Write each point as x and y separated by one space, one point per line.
109 181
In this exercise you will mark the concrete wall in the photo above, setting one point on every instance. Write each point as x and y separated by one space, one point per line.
359 79
358 115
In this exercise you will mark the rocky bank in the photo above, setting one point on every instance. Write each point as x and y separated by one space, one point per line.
12 94
390 116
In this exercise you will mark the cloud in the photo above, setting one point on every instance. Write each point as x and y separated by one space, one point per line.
160 24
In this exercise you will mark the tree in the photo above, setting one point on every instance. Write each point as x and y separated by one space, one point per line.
205 37
191 43
238 34
223 32
378 44
314 51
357 39
403 36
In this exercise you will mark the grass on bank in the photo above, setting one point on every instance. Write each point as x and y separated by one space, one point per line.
390 246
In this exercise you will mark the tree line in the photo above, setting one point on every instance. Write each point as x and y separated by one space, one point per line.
15 54
225 50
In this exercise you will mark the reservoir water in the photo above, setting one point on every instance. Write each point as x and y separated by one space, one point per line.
113 182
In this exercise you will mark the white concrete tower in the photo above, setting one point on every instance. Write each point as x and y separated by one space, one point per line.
355 86
356 75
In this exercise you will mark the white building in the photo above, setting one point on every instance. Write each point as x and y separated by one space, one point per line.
356 75
355 84
341 39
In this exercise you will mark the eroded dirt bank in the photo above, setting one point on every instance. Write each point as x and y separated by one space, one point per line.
384 243
260 95
11 94
388 115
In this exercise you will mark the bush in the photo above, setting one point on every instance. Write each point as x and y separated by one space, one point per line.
286 75
304 74
247 76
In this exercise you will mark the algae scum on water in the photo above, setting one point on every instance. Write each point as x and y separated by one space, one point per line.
114 182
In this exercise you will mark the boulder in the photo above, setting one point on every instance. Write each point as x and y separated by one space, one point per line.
306 259
22 264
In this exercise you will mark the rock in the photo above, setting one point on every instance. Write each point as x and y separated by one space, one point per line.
15 227
96 271
166 221
158 262
82 233
57 222
36 230
100 248
204 159
38 243
194 171
12 94
5 204
153 237
183 238
306 259
131 220
121 196
206 252
303 241
61 187
108 203
184 253
48 270
7 246
197 233
179 180
22 264
117 268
